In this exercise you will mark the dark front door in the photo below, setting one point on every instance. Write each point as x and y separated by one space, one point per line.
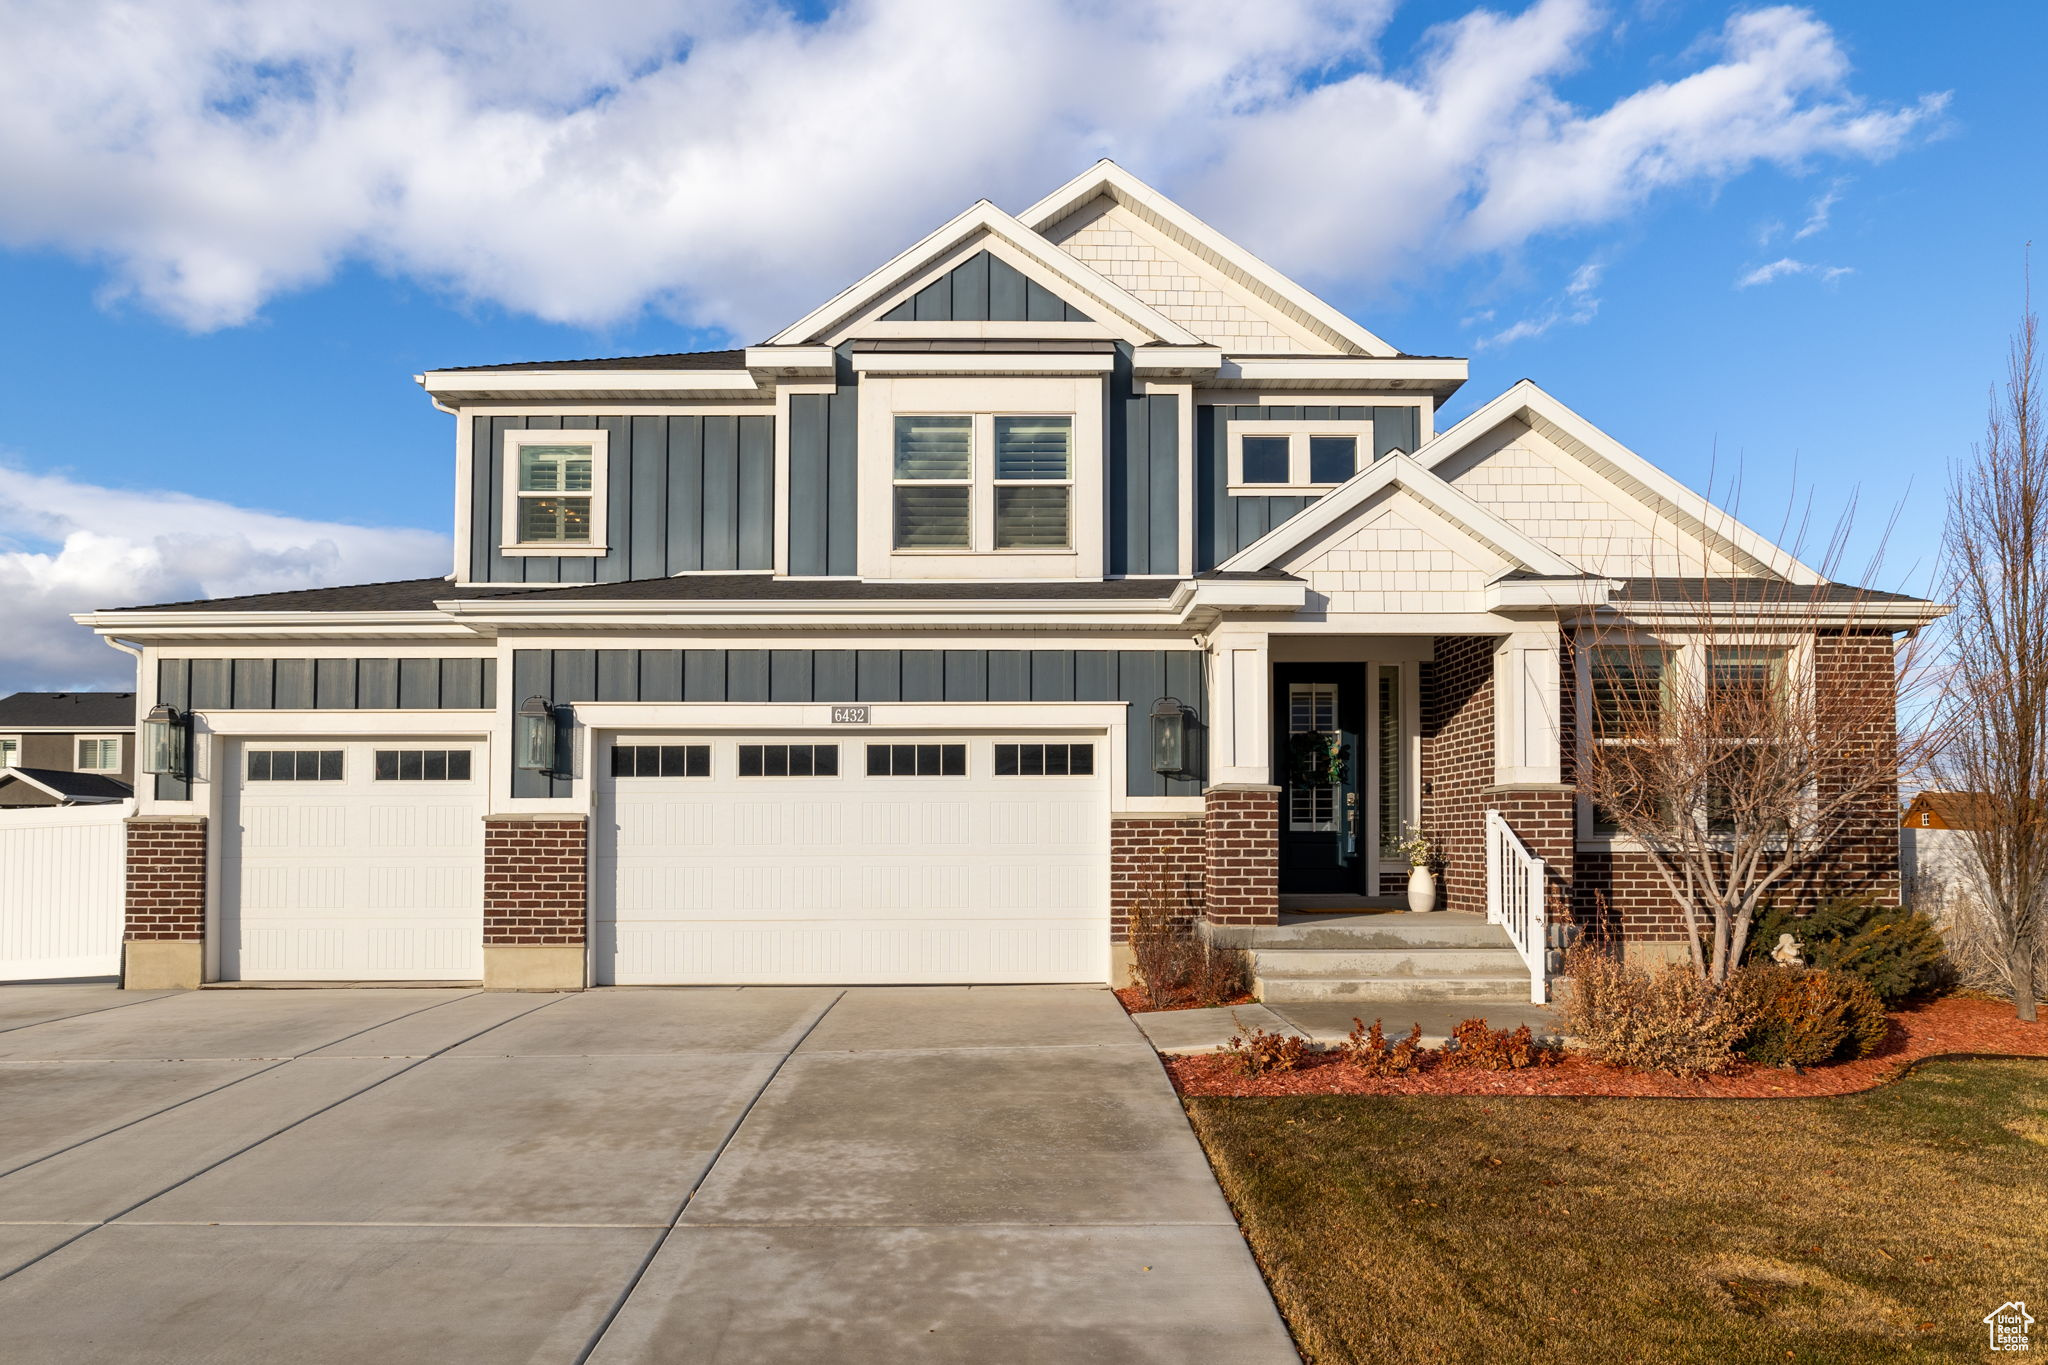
1318 708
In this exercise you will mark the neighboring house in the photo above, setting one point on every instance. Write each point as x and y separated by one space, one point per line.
66 748
1934 855
920 641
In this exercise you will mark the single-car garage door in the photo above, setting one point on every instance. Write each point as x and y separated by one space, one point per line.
822 858
353 861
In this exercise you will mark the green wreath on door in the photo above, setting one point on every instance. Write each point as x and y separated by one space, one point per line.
1317 759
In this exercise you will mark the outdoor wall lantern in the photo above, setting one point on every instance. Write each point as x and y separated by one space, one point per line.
166 741
534 743
1169 737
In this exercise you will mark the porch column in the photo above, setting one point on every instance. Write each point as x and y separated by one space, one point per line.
1528 753
1241 726
164 943
1241 840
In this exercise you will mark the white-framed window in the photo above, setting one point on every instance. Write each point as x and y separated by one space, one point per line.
1291 457
983 482
555 492
10 751
99 754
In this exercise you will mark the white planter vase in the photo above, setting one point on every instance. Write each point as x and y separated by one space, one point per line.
1421 889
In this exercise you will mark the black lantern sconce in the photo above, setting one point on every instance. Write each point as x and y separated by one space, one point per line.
166 741
534 739
1169 737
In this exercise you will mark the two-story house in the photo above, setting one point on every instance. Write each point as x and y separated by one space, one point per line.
918 641
66 749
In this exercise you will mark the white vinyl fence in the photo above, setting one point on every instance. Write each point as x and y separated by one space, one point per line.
62 873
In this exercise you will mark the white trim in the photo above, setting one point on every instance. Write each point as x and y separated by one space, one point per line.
465 387
599 441
977 363
1297 435
1106 177
1142 321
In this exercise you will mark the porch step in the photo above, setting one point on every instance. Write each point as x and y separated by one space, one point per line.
1390 989
1443 929
1380 962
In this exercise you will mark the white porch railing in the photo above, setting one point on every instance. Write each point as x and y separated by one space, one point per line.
1514 900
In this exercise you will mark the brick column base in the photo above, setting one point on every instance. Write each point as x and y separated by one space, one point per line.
1151 856
536 890
1241 881
164 940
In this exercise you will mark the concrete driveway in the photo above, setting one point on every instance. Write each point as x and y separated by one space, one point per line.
922 1174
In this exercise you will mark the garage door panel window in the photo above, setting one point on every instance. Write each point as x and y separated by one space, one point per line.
422 765
917 760
1045 760
789 760
661 760
295 765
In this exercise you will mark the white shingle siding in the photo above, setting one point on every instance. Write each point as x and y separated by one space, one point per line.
1175 287
1391 564
1551 497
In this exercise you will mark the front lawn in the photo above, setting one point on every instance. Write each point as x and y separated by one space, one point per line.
1874 1227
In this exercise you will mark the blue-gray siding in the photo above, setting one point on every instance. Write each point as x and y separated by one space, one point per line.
1135 676
823 494
1225 524
984 288
1144 477
685 492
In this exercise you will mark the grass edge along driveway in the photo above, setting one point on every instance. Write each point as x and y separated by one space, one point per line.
1872 1227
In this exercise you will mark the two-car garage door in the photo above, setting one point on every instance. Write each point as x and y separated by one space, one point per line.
824 858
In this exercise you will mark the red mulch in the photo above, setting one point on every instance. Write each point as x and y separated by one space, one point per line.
1939 1028
1135 1001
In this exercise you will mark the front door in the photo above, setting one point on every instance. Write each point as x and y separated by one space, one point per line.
1319 765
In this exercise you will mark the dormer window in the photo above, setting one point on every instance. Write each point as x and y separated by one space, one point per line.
1280 458
555 492
972 482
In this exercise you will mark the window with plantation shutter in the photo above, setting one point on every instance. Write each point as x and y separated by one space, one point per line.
978 482
555 491
934 482
1034 482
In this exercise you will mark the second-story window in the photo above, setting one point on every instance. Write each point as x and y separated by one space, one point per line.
966 483
555 481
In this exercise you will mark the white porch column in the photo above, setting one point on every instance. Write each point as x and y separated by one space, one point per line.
1527 729
1241 725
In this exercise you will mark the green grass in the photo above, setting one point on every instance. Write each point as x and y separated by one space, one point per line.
1877 1227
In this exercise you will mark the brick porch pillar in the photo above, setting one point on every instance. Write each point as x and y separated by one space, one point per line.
164 939
536 890
1241 882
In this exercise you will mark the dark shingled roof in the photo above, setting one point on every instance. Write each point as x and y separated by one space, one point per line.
420 594
86 786
674 360
1747 590
68 710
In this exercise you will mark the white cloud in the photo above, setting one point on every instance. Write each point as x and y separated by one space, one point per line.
1818 212
1577 306
67 546
729 164
1785 266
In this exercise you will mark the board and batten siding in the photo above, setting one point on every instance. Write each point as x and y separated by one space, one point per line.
824 483
984 288
459 684
1144 477
683 493
1138 677
1225 524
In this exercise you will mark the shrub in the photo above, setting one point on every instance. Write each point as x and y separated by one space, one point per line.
1669 1020
1218 975
1808 1018
1174 964
1368 1049
1897 951
1259 1052
1475 1045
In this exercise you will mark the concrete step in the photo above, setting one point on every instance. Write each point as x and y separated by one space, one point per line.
1395 932
1406 961
1364 990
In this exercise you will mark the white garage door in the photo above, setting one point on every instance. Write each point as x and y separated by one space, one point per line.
354 861
827 858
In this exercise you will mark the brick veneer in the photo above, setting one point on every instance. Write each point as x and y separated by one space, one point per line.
166 890
536 879
1154 854
1241 882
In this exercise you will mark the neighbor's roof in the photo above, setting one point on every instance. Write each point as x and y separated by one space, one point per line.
68 710
420 594
72 786
1954 810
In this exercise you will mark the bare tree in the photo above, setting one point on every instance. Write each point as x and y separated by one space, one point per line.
1996 547
1743 733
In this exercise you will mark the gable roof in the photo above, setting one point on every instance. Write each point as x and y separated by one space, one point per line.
1082 286
670 360
1405 472
68 711
80 788
1107 179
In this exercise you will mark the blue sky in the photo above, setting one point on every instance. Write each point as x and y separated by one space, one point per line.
217 294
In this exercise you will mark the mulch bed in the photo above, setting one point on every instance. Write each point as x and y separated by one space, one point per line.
1939 1028
1135 1001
